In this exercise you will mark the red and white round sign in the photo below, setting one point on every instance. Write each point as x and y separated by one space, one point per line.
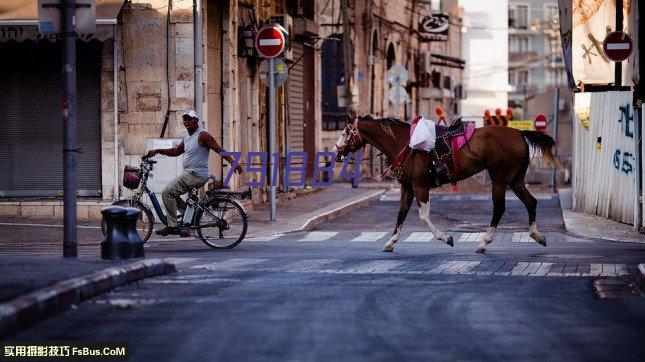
540 123
270 42
618 46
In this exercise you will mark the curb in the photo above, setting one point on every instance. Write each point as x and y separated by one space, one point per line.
30 309
340 211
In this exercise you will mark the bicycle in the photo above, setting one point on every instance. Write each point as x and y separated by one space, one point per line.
218 220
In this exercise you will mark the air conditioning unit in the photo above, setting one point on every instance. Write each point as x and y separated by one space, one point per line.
287 22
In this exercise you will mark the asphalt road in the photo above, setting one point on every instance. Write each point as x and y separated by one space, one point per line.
331 294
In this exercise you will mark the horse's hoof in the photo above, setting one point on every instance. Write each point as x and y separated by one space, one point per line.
480 249
540 239
449 241
388 248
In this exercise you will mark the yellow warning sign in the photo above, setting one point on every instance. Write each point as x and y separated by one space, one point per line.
522 125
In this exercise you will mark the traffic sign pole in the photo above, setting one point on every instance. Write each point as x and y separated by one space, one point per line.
272 165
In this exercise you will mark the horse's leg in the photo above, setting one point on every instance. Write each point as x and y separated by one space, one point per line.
423 197
499 206
406 201
531 204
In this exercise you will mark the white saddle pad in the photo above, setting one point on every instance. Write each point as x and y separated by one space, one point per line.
424 135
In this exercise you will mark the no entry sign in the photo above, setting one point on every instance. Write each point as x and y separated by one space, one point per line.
270 41
540 123
618 46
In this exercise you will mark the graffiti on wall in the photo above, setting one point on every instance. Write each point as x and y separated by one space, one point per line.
624 161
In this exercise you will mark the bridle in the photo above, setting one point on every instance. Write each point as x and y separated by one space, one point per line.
353 137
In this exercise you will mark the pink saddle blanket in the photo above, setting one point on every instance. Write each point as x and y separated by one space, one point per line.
459 141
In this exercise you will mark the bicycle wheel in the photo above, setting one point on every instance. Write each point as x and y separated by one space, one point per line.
146 221
221 224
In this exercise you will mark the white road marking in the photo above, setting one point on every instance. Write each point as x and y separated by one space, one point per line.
370 236
374 267
521 238
419 237
447 267
319 235
470 237
265 237
228 264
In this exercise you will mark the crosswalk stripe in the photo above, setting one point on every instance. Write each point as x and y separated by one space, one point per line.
375 267
419 237
228 264
319 235
621 269
385 266
370 236
265 237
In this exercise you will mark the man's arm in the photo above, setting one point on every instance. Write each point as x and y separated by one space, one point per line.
172 152
206 140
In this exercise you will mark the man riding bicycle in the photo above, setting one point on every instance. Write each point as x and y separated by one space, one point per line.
197 146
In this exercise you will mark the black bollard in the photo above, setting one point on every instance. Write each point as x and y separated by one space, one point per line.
115 245
130 230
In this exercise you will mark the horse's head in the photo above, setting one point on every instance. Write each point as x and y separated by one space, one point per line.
350 139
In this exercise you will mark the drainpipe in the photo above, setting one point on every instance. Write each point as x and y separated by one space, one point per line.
199 59
115 105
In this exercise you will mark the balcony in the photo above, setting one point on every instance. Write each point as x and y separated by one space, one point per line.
522 92
522 56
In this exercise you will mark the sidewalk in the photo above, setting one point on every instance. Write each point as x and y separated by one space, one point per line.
593 226
306 212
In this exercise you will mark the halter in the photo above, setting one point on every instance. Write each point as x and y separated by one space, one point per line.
353 138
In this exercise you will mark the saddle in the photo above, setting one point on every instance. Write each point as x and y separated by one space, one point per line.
445 163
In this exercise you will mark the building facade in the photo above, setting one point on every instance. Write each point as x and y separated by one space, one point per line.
381 35
485 49
136 77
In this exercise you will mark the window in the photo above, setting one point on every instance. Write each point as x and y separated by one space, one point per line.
523 77
511 77
436 79
447 82
523 44
511 17
551 11
522 16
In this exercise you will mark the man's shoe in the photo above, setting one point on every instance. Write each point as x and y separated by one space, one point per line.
167 231
184 233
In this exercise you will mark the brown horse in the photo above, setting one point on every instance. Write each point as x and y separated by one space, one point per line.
503 151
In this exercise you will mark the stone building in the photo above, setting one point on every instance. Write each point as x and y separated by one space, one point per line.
383 34
136 76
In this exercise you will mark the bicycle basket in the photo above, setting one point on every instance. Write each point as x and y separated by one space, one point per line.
131 177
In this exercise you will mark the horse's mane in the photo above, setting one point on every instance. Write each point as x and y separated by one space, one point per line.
386 123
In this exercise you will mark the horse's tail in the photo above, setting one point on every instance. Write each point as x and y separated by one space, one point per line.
545 143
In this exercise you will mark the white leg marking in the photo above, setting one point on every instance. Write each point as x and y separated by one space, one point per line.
424 214
535 234
389 246
487 239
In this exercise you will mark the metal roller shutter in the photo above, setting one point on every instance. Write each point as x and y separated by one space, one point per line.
214 96
30 115
295 130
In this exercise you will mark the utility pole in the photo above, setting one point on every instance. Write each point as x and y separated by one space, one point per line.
348 59
69 129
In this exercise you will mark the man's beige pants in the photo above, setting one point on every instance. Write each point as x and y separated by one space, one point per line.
177 187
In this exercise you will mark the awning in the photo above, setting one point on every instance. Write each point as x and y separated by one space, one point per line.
25 12
19 21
